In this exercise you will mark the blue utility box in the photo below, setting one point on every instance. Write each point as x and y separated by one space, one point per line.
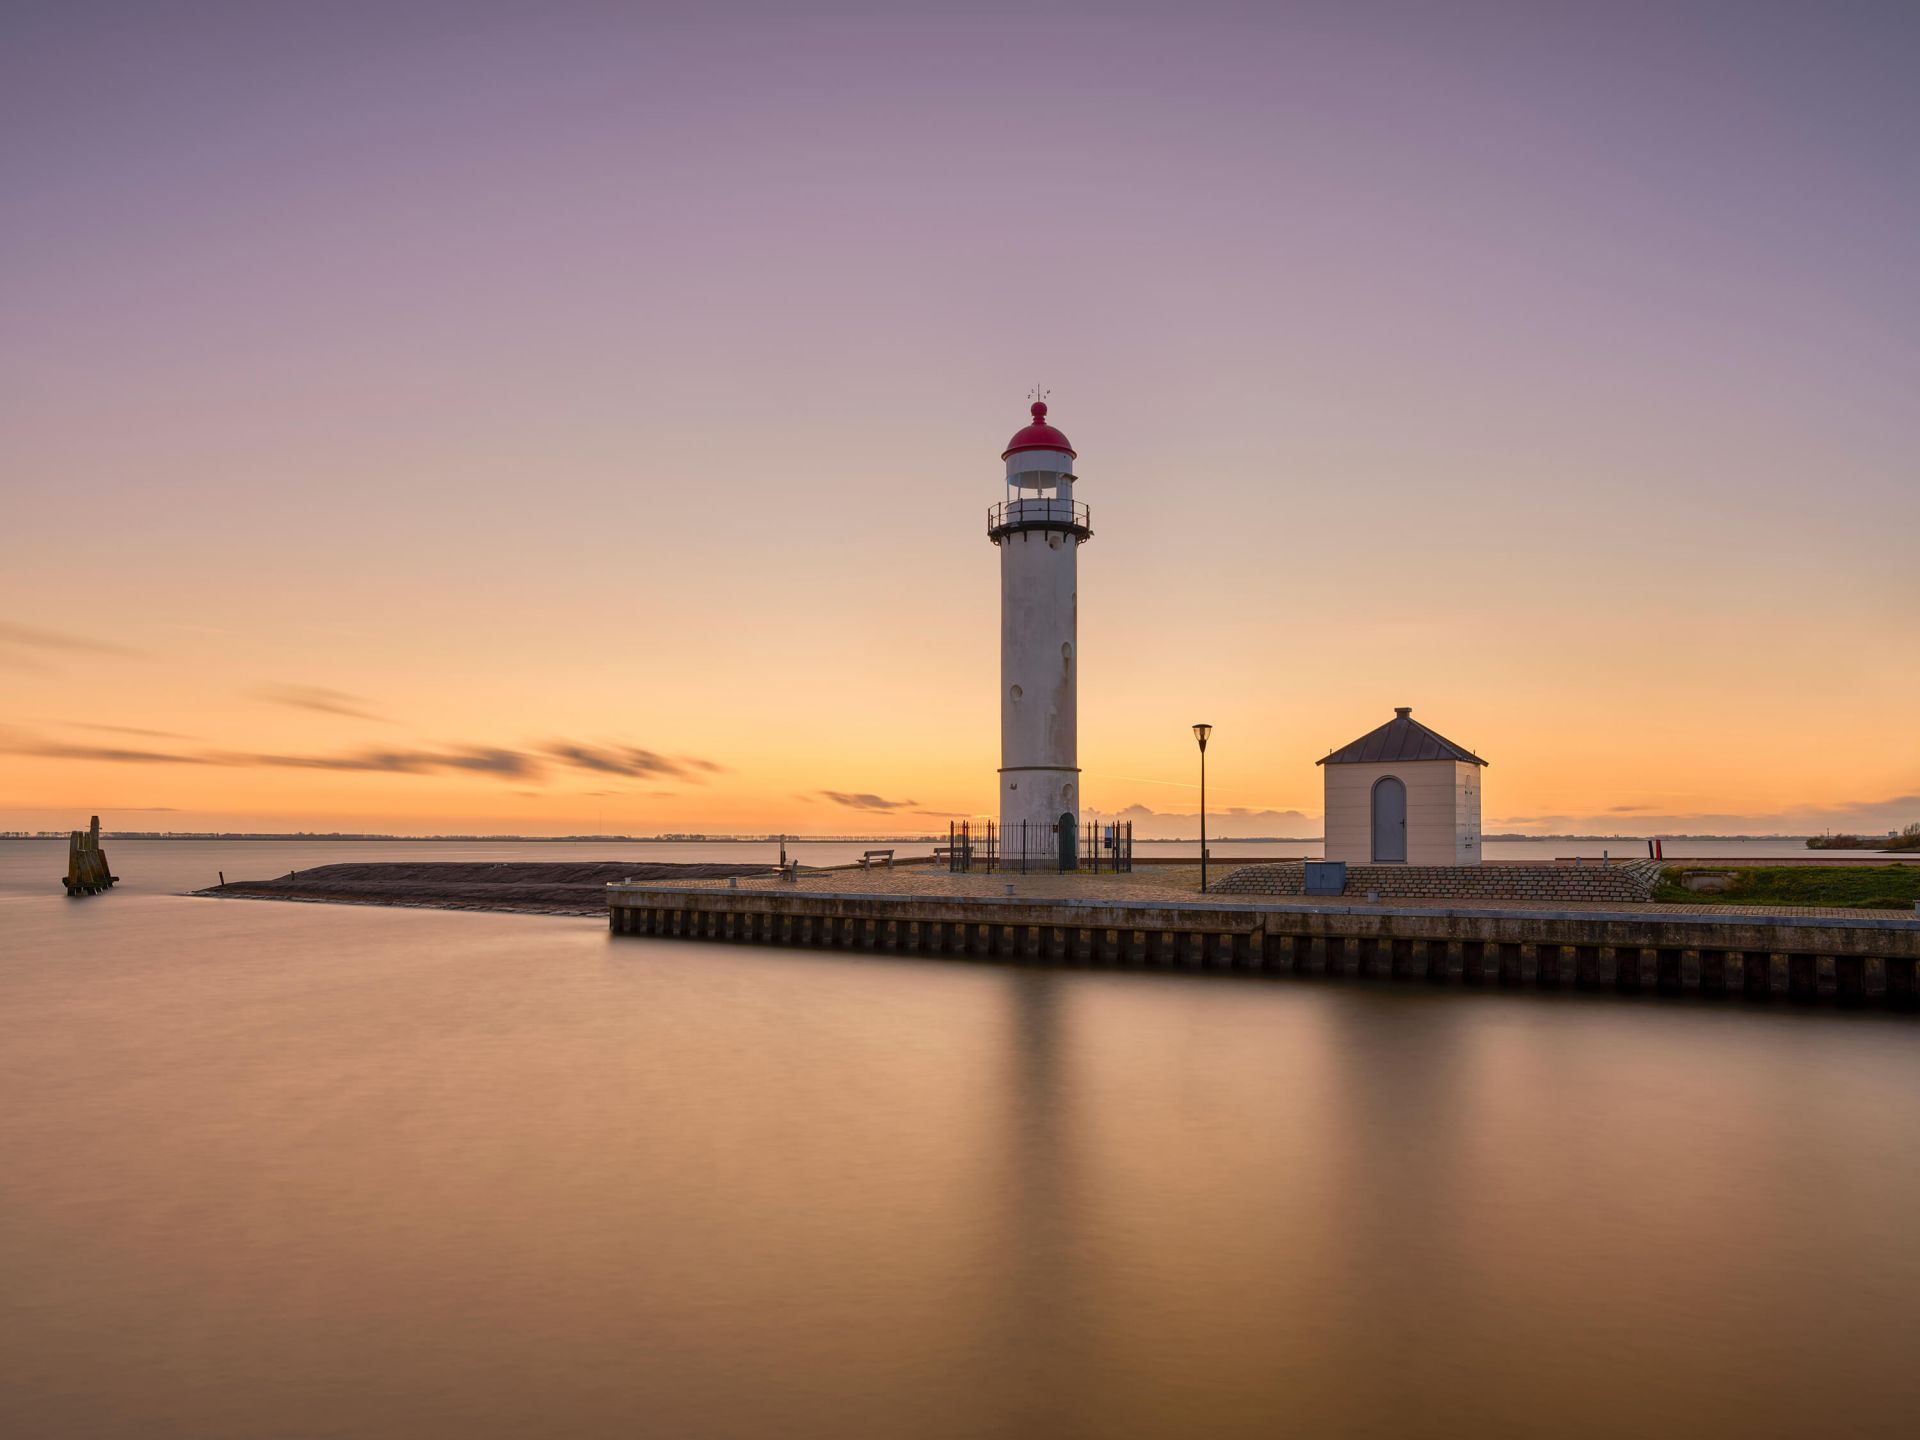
1326 877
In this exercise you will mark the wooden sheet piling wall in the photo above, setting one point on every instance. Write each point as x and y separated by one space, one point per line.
1870 961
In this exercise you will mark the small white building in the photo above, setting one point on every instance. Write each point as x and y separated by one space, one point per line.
1403 795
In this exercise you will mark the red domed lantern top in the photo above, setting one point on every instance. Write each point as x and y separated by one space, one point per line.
1037 436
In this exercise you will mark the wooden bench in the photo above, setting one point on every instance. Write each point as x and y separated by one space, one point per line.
885 857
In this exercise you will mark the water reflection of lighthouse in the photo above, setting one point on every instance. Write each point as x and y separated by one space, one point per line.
1039 529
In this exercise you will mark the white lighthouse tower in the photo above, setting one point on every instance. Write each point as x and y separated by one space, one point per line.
1039 529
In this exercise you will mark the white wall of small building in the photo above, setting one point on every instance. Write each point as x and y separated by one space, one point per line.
1443 811
1466 812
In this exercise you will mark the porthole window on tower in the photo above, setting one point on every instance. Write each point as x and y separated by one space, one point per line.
1016 692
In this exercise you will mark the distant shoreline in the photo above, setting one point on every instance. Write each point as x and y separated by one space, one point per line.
925 839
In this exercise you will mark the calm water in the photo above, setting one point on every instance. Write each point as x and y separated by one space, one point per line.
274 1170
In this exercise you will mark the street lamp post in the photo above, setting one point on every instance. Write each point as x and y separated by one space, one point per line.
1200 733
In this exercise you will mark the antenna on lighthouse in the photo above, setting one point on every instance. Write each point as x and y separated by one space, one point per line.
1038 392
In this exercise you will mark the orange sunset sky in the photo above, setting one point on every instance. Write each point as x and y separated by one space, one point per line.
492 426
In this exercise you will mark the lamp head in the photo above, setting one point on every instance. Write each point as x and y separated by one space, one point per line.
1200 733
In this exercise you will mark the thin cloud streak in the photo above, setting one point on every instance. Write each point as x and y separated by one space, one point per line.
1226 823
31 637
480 759
1860 817
863 801
614 759
320 699
494 760
11 744
1183 785
136 730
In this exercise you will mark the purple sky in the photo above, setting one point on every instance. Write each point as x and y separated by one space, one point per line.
1460 326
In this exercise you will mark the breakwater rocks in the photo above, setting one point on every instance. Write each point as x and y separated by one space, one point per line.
570 888
1629 883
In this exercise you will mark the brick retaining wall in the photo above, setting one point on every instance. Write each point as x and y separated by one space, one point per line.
1632 881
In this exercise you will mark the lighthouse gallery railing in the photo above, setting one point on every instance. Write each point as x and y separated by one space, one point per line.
1041 513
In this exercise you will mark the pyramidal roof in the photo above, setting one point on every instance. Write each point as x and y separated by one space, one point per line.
1401 738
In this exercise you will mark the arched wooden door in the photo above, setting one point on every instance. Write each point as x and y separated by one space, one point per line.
1069 859
1389 821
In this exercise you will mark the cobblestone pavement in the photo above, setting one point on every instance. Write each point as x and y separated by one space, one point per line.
1172 884
1154 884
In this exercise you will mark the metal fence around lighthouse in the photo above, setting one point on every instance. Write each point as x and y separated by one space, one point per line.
1028 848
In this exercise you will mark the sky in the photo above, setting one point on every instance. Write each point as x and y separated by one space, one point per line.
557 418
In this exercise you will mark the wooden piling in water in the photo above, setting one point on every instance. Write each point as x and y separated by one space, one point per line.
87 872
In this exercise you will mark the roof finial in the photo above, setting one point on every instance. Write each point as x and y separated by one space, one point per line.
1038 394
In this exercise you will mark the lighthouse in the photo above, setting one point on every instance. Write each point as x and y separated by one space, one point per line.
1039 529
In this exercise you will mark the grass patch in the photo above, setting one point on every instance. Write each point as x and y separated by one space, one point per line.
1854 887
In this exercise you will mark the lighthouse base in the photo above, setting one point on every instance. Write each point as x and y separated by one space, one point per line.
1040 814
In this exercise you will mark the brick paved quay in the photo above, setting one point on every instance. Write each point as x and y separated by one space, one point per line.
1156 918
1159 882
1626 882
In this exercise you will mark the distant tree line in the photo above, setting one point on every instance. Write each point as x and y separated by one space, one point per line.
1907 839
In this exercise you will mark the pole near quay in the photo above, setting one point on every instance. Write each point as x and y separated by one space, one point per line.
1200 733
